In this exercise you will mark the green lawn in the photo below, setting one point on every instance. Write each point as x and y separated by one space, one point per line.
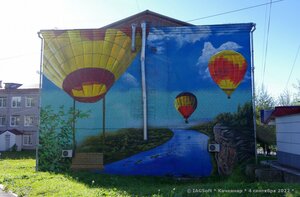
17 173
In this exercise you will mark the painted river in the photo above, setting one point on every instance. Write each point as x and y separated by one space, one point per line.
184 155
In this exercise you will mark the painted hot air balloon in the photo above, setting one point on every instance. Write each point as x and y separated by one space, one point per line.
186 104
86 63
227 68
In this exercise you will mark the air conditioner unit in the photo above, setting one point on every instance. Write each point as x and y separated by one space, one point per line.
66 153
214 148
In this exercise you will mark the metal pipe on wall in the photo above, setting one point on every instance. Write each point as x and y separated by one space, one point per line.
40 103
133 33
143 73
253 90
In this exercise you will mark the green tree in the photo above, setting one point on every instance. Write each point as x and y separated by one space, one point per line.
296 86
56 134
263 101
265 134
285 98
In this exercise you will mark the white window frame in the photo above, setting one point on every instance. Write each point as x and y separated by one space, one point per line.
15 101
29 101
15 120
28 121
3 102
27 140
2 120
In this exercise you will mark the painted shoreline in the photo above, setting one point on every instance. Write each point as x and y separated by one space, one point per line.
184 155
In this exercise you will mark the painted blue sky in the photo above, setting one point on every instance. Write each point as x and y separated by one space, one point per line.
177 58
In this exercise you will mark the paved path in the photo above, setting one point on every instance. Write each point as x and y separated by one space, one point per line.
4 194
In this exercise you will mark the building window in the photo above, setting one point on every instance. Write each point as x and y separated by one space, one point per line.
28 120
2 121
27 140
14 120
16 101
29 102
2 101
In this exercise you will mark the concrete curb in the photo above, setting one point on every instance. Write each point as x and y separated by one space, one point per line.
6 194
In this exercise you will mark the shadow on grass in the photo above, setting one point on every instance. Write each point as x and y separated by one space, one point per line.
140 185
159 186
170 186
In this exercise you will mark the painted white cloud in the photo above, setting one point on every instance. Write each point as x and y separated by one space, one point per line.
208 51
129 79
182 35
155 35
227 32
159 50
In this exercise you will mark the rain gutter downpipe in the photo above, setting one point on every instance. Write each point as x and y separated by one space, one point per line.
133 33
144 93
253 90
40 103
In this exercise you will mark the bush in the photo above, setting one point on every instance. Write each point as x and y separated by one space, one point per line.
14 148
56 134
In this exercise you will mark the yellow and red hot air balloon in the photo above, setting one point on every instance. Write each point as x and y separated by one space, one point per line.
86 63
227 68
185 104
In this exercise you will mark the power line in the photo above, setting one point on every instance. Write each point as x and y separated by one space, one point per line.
297 53
137 5
237 10
267 43
264 39
13 57
223 13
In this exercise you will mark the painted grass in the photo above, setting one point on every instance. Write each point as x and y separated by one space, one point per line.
17 173
125 143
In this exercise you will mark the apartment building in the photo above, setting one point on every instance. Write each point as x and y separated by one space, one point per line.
19 113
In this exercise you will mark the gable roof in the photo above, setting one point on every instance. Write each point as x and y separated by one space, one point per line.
151 18
14 131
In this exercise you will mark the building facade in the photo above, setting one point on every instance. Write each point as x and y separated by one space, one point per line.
151 85
19 110
287 121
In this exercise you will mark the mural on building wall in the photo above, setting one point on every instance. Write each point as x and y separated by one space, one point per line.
198 92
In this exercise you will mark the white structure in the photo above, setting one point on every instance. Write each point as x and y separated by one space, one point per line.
287 120
10 138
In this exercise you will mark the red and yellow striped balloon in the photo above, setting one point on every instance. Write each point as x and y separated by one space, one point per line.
185 104
85 63
227 68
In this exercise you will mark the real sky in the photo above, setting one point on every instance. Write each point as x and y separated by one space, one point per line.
276 66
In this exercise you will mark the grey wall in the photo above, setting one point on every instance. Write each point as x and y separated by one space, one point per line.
288 140
22 111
